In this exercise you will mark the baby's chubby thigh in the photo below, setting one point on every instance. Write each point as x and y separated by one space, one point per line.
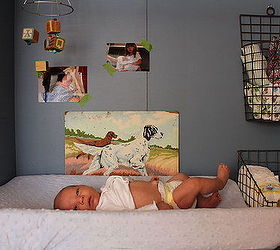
144 192
185 194
179 177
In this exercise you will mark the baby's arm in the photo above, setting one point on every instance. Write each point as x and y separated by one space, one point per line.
148 207
155 206
112 59
163 206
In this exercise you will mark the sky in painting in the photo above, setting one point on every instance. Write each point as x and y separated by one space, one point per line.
126 124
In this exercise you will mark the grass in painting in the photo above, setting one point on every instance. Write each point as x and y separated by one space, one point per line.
162 161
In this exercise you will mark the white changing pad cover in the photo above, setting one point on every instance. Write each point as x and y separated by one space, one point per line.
220 228
214 229
39 191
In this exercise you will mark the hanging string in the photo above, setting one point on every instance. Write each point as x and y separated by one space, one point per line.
52 8
38 6
57 8
69 3
147 39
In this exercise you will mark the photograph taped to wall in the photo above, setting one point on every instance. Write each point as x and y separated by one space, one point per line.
62 84
128 57
122 143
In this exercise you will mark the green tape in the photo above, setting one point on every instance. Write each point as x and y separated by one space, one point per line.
85 99
109 68
146 45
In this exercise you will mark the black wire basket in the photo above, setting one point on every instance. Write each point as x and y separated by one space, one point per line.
252 192
260 47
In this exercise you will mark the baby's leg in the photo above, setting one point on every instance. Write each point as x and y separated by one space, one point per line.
211 201
185 194
179 177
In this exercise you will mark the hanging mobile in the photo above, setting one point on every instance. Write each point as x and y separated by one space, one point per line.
30 35
53 43
51 8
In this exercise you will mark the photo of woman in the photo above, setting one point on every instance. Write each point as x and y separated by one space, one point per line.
128 57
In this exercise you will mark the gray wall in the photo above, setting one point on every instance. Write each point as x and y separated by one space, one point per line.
195 69
7 145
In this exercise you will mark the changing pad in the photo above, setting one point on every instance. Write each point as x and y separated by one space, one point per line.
231 226
38 191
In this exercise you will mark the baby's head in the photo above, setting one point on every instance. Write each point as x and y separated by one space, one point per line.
78 197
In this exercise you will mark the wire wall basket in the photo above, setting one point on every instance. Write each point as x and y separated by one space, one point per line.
258 177
260 49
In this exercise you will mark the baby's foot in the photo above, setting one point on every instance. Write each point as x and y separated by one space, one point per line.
210 202
223 175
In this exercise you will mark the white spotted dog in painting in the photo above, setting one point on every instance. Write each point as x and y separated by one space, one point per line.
132 154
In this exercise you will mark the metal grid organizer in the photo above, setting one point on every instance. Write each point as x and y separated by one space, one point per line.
262 102
251 192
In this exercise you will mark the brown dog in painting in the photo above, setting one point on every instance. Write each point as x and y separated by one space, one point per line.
97 143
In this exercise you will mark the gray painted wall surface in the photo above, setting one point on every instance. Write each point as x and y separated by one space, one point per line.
7 145
195 69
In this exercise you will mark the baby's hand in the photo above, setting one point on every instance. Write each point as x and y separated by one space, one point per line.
163 206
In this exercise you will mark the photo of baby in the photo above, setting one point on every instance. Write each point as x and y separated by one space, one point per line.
128 57
62 84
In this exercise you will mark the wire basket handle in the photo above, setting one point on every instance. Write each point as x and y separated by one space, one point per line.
270 10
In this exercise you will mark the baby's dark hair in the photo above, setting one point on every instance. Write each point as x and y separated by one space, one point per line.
47 77
56 197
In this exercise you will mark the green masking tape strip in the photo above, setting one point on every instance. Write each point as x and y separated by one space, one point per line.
109 68
85 99
146 45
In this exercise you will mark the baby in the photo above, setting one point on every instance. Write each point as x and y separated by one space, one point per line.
120 193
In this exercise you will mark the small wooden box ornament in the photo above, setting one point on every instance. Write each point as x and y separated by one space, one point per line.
41 66
30 35
54 43
53 26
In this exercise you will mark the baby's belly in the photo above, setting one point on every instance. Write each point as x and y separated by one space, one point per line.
144 193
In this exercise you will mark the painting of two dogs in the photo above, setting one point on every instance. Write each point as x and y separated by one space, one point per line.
137 155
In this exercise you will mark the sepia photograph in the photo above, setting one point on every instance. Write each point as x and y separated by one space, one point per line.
128 57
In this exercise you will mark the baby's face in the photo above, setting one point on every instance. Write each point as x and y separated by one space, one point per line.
67 79
77 198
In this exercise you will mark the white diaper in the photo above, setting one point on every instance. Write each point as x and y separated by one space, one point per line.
166 189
